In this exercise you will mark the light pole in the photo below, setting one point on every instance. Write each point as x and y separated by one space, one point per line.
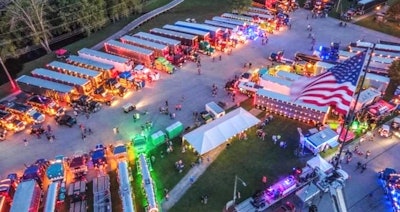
233 201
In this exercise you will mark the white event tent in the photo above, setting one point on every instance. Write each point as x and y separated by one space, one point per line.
217 132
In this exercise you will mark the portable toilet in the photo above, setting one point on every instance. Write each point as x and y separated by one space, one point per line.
158 138
139 143
174 130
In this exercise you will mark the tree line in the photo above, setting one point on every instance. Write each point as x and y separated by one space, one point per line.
35 22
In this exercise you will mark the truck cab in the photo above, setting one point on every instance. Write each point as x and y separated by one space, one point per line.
34 172
10 122
25 112
45 105
103 96
115 87
56 169
78 166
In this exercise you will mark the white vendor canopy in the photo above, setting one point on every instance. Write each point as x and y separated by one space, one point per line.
320 163
217 132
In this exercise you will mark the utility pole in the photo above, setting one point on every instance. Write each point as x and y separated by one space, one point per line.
13 85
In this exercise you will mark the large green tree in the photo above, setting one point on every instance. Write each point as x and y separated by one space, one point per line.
7 49
241 5
393 13
31 14
89 15
394 75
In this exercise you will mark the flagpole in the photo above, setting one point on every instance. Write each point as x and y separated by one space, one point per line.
350 116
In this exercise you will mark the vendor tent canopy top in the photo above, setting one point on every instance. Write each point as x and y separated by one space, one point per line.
217 132
320 163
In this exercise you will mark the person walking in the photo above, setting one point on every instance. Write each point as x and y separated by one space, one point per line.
26 142
367 154
220 57
198 71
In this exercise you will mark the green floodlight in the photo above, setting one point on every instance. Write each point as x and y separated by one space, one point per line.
355 125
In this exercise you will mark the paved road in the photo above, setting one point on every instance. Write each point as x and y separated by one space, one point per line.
185 82
137 22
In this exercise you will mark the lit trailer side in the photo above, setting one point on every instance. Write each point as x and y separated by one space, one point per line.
258 15
148 184
83 86
107 69
159 50
224 26
121 64
184 38
202 35
94 76
135 53
47 88
230 21
214 31
125 189
379 46
238 17
172 43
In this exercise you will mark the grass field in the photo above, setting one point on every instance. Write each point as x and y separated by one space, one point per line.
249 159
389 28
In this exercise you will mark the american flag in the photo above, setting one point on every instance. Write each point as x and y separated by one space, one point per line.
333 88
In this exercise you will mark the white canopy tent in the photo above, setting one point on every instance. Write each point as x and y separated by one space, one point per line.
217 132
319 162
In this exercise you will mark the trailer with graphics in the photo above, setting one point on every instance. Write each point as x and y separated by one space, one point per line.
135 53
121 64
159 50
83 86
185 39
202 35
54 90
107 69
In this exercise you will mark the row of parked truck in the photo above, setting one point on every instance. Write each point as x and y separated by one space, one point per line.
24 193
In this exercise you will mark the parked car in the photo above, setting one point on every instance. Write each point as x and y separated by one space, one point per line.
66 120
286 207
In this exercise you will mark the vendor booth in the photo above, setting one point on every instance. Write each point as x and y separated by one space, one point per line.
320 141
219 131
318 162
174 130
158 138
